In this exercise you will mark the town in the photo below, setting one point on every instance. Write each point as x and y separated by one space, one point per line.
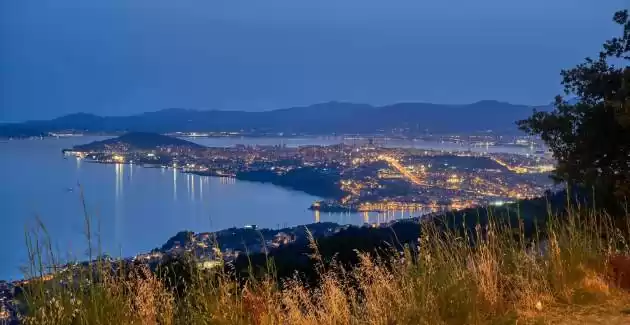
348 178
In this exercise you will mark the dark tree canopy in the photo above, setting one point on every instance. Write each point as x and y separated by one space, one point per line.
590 138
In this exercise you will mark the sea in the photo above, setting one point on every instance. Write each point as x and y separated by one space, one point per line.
47 199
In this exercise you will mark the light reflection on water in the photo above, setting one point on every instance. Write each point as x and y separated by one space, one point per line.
119 213
194 192
137 208
175 184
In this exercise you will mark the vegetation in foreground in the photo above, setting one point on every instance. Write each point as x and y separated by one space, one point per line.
567 272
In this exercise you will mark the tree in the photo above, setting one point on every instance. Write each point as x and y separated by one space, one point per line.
590 138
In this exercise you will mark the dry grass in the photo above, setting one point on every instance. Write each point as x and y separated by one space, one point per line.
504 278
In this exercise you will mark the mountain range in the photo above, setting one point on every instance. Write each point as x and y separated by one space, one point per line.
324 118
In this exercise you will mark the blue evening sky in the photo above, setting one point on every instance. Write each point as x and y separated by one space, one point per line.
117 57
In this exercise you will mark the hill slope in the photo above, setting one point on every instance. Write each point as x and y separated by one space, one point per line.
138 141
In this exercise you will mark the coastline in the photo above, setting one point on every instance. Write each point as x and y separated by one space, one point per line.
323 195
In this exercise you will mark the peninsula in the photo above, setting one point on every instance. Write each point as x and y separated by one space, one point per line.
347 178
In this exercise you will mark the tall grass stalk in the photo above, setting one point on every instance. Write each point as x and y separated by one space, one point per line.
492 274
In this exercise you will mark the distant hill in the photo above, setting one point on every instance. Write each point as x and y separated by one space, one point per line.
138 141
325 118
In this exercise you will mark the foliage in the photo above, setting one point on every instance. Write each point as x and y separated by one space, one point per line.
314 181
177 273
181 238
440 278
342 246
591 137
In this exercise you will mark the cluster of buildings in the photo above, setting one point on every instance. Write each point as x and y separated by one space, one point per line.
8 314
372 178
385 179
226 245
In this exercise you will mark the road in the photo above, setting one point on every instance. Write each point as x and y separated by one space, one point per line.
401 169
